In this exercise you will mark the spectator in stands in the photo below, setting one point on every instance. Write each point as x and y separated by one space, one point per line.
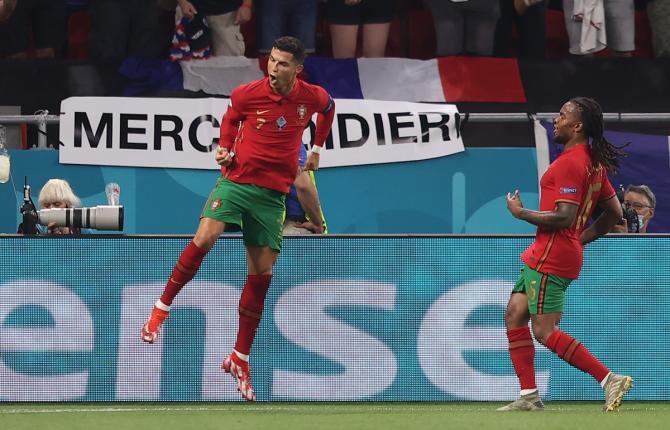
224 18
6 8
276 18
658 12
346 16
303 209
41 21
529 18
642 200
464 26
121 28
57 193
605 23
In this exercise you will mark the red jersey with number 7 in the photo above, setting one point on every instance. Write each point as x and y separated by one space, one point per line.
571 178
264 130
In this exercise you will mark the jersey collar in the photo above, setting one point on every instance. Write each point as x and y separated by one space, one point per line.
277 97
577 147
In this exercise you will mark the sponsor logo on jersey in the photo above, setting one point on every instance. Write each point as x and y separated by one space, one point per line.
568 190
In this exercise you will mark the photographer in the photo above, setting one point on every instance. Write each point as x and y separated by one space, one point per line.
639 204
57 193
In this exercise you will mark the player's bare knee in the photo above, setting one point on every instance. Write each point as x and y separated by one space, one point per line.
541 333
205 239
204 243
509 317
208 232
514 317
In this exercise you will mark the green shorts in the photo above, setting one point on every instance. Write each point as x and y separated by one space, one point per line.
546 292
259 211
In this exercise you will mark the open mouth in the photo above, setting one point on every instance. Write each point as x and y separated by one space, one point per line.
273 79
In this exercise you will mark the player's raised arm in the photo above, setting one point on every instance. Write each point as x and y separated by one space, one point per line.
230 124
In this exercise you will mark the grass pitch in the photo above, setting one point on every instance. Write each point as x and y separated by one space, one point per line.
349 416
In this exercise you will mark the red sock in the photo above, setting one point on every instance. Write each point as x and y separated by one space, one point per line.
522 353
186 267
251 310
573 352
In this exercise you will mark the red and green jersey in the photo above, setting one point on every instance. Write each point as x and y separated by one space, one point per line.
570 178
264 129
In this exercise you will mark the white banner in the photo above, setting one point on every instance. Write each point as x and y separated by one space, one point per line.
182 133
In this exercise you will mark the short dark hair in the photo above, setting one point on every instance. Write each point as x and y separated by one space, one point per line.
291 45
645 191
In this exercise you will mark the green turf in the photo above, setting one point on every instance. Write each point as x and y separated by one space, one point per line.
347 416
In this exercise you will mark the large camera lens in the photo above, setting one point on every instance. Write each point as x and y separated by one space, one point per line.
98 218
631 218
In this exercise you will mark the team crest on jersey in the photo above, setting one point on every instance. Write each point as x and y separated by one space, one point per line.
568 190
216 204
302 111
281 122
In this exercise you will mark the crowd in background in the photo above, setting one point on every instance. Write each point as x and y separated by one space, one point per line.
189 29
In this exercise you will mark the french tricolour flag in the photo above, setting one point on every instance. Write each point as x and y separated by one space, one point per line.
447 79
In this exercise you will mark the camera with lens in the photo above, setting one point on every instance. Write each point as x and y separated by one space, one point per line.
97 218
629 213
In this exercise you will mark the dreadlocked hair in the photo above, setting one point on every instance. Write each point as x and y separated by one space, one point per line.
603 152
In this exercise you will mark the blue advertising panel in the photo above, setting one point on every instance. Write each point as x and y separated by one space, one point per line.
461 193
347 318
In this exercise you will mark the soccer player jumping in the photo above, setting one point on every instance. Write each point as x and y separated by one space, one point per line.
570 188
260 141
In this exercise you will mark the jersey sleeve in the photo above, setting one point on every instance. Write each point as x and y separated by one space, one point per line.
325 101
607 191
325 116
570 181
231 120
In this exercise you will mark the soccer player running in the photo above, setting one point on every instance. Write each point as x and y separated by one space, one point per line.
574 183
260 141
